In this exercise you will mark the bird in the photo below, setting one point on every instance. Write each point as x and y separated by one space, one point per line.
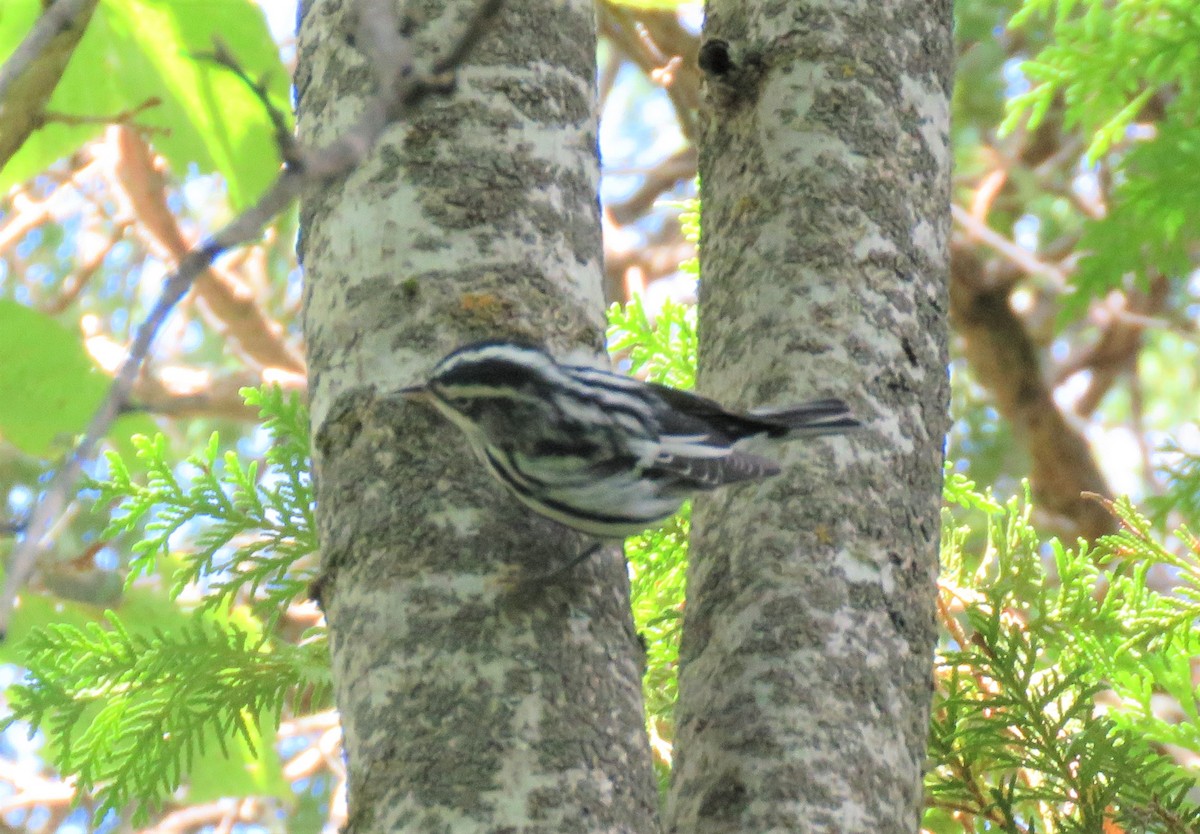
602 453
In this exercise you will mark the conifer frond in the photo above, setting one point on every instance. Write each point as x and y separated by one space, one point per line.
128 713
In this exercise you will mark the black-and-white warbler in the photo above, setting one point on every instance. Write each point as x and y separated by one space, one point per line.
602 453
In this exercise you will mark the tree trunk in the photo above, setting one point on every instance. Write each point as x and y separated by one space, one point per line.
466 707
806 660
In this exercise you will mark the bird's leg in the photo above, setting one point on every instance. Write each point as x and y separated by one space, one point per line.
521 584
559 572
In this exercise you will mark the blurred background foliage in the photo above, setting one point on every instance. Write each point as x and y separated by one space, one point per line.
1065 683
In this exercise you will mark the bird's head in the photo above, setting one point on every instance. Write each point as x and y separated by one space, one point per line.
478 384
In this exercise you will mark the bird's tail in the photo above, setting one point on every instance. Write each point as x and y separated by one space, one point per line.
829 416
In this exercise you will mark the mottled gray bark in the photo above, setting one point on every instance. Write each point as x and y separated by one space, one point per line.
466 707
808 636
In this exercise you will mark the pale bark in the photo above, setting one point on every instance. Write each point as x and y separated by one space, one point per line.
808 635
466 708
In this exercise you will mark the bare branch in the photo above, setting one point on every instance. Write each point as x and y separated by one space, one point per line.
1005 361
401 88
680 165
28 214
74 283
662 253
223 57
125 117
58 18
224 296
211 813
194 392
1027 261
31 73
652 39
1124 319
31 790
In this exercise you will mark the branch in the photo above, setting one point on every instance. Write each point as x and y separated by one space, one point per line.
1124 319
28 213
58 18
193 392
31 73
680 165
212 813
125 117
1028 262
652 40
1004 360
223 57
79 277
229 301
31 790
400 88
625 266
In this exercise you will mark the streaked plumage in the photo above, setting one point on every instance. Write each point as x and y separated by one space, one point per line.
599 452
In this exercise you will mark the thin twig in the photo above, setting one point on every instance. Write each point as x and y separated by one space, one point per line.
986 193
400 89
1022 258
28 213
284 139
125 117
631 35
31 790
137 181
211 813
74 283
660 179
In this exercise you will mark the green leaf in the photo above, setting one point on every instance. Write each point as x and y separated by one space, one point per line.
119 715
309 815
136 51
1114 129
251 768
36 612
52 385
248 534
1015 729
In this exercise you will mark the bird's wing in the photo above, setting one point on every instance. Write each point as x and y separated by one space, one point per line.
704 472
828 416
689 414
